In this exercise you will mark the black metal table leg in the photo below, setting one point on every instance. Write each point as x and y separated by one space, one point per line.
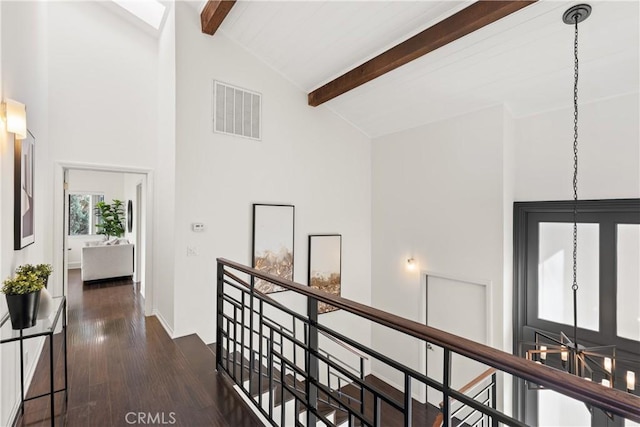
64 327
21 373
53 394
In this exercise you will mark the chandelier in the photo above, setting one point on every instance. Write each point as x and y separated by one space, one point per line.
590 363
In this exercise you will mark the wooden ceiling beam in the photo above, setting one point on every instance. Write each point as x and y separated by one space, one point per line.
466 21
214 13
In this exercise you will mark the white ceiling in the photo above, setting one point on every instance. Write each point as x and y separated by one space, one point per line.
524 60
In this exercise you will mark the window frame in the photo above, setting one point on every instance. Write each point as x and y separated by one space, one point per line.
527 217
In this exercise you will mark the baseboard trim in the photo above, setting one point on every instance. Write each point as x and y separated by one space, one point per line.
164 323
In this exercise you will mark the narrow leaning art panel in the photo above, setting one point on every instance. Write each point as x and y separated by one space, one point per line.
325 266
273 231
24 219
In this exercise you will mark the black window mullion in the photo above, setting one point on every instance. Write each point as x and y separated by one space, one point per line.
608 286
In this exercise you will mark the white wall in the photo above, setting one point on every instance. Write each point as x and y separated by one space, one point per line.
102 78
609 152
109 184
437 197
443 194
164 205
89 80
24 78
508 196
308 157
103 96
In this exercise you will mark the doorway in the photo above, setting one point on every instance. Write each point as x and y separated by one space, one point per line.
107 183
461 307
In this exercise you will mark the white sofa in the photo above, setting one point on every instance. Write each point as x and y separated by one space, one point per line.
103 261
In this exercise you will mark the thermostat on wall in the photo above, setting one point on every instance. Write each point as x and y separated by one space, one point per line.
197 226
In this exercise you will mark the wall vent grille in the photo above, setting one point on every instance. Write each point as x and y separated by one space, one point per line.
236 111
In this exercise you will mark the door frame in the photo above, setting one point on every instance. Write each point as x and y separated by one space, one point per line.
59 237
138 222
422 312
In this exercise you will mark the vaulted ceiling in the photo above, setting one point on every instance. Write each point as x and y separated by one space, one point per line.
524 60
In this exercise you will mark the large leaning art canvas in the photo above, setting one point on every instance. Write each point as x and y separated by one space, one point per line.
24 157
273 231
325 266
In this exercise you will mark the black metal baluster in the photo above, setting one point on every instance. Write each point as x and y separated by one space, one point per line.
282 405
260 349
494 398
312 361
251 332
242 347
362 388
408 407
446 387
270 372
235 343
377 415
219 308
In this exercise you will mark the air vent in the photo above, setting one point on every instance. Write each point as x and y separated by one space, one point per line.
236 111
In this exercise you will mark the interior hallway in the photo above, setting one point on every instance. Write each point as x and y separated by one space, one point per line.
122 363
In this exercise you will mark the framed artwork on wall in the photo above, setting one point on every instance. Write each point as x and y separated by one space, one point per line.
325 266
24 219
273 231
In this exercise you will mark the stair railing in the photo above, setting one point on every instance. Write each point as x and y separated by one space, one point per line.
263 335
341 380
488 388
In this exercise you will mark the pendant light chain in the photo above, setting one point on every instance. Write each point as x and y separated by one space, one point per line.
574 287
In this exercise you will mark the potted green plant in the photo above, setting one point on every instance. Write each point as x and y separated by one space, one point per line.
23 298
43 271
111 217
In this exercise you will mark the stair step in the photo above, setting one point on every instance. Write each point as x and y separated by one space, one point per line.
331 411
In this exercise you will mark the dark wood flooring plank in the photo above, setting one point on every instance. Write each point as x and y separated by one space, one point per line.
121 362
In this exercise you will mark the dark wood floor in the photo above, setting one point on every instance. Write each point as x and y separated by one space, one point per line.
121 362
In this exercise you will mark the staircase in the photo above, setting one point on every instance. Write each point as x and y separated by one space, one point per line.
330 409
280 393
298 372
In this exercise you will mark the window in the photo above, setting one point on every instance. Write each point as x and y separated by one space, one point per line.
608 294
82 214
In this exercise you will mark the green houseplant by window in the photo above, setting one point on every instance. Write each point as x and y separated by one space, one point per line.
23 298
111 217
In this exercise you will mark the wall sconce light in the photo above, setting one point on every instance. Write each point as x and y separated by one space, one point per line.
15 114
411 264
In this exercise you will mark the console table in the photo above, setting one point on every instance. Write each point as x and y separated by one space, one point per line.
43 327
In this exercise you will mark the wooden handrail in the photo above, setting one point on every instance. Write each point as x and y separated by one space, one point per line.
465 388
268 298
609 399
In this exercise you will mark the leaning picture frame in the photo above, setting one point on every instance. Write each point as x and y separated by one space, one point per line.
325 266
24 184
273 243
